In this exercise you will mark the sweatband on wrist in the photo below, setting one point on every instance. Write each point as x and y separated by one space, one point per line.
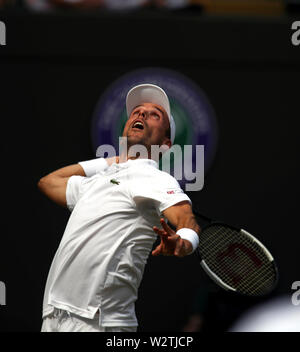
91 167
190 235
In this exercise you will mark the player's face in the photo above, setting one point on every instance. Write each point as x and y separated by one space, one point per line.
147 125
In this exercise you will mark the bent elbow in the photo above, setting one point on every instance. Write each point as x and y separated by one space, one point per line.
42 183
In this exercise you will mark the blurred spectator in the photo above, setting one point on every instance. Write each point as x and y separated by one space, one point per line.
126 4
172 4
131 4
48 5
38 5
114 5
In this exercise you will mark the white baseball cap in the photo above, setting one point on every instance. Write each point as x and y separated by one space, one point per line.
150 93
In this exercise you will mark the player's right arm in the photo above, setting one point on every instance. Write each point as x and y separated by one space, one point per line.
54 185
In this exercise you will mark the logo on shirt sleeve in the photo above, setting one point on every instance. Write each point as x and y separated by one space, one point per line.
174 191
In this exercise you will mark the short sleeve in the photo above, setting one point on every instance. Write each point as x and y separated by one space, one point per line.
163 190
74 190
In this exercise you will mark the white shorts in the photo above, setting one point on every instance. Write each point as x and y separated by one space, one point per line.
63 321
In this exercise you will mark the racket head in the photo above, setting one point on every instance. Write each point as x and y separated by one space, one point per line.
236 260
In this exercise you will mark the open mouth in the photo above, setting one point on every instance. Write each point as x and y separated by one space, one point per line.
138 125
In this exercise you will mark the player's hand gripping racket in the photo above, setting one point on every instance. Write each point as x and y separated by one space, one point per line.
235 259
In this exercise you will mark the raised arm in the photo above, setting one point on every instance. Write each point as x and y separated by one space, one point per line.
54 185
182 217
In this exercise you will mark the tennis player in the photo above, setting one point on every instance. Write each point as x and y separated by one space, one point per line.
118 208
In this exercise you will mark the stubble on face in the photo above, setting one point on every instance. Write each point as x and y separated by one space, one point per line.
154 127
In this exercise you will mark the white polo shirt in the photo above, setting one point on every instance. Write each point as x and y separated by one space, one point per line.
100 260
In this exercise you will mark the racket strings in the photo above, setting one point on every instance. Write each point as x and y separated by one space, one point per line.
248 282
238 268
237 260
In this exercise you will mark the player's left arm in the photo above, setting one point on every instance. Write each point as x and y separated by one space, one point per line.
181 216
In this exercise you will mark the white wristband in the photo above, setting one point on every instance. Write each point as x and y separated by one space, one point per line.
91 167
190 235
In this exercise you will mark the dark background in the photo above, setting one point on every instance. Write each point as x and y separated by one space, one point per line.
53 70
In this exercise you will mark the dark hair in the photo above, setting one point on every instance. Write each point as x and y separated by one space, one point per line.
168 132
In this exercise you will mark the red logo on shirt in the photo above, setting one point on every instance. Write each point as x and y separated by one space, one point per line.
170 192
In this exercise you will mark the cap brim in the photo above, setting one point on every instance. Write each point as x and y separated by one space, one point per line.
147 93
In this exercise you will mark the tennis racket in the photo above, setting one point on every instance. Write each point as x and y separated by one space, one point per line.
234 259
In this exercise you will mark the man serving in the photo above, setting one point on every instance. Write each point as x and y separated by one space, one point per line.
118 207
